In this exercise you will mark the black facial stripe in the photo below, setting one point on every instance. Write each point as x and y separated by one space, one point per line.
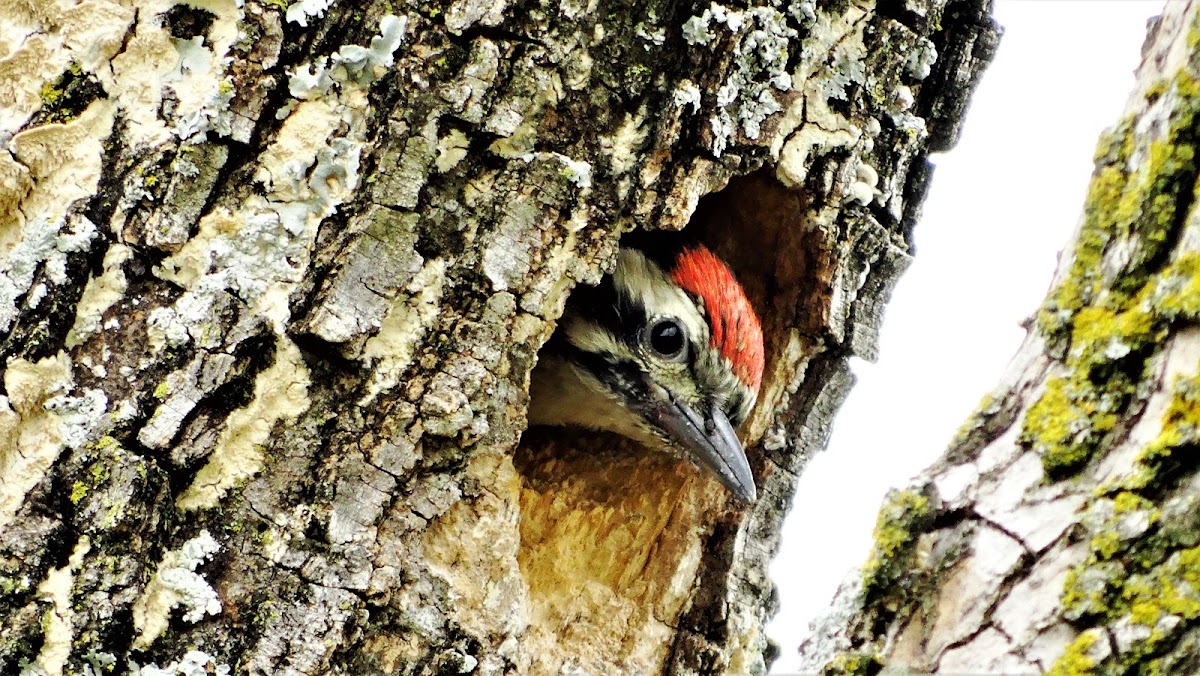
634 318
621 315
623 376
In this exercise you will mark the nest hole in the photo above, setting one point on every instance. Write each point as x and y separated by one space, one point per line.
613 534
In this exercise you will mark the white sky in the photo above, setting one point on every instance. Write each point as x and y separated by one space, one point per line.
1001 206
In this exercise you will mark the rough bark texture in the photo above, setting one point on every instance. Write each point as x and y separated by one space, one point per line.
1060 532
274 277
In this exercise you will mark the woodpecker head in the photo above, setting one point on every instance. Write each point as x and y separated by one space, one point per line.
666 352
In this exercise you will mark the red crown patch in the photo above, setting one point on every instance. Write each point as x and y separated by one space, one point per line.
736 332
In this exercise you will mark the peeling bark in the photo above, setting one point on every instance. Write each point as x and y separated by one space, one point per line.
1059 532
273 280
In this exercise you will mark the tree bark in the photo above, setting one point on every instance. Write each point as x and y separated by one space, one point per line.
274 277
1059 532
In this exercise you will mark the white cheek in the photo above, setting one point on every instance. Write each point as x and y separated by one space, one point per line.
591 337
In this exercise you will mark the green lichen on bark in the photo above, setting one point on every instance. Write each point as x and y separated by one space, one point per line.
854 663
1104 398
1141 580
1150 572
905 514
1076 660
64 99
993 415
1109 312
1141 208
1065 423
1180 433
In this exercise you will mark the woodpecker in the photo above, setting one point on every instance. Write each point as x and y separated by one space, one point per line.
666 351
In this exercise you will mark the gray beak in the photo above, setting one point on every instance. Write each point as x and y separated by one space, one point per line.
710 441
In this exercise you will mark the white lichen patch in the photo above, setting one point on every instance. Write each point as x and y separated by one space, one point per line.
280 394
462 14
307 174
44 172
698 29
53 35
262 250
353 67
192 72
687 94
913 124
36 294
283 166
190 317
390 351
43 246
176 584
136 81
302 10
451 150
845 69
366 64
578 172
747 96
99 295
98 662
921 60
819 129
811 127
194 663
259 254
650 30
205 108
58 624
80 418
38 419
48 168
803 11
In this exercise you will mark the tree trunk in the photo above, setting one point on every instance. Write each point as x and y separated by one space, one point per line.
1060 530
274 277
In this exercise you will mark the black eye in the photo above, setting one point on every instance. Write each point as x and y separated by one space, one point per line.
667 338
